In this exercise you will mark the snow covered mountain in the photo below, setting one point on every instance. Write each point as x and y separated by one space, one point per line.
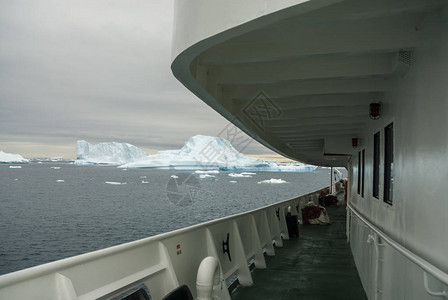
11 158
112 153
210 153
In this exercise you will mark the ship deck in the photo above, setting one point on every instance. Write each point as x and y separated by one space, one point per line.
318 265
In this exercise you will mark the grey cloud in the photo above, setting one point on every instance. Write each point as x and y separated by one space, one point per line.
95 70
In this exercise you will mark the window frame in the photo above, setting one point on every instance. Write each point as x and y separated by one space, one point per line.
363 156
359 172
376 165
388 192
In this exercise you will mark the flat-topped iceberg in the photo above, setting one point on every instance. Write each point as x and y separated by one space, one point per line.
113 154
9 158
211 153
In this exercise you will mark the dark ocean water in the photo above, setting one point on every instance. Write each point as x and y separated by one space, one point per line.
42 220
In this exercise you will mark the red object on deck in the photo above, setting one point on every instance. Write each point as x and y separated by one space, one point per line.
330 200
310 212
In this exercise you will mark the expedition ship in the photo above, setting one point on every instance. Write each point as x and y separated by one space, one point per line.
357 84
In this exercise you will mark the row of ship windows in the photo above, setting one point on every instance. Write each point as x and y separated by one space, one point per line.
388 165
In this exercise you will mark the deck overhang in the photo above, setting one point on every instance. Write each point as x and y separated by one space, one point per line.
298 76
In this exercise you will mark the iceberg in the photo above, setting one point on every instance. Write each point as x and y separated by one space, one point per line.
239 175
8 158
207 172
272 180
202 153
203 176
112 153
115 183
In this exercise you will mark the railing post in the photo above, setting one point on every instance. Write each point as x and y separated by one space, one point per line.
282 221
260 262
244 276
166 260
348 224
275 227
428 290
211 250
267 234
64 287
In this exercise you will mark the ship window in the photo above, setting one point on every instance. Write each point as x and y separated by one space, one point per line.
389 163
140 292
363 171
359 173
376 165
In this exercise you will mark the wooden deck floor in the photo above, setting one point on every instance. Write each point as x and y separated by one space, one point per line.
318 265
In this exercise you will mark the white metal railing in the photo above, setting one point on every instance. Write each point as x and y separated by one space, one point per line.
164 261
426 266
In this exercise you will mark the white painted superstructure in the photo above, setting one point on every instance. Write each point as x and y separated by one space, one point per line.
316 66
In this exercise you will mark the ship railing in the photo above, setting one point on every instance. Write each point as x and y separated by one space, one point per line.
163 262
381 239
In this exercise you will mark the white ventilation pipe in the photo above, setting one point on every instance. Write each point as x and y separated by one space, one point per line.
208 277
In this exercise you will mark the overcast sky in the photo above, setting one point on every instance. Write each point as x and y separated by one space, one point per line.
94 70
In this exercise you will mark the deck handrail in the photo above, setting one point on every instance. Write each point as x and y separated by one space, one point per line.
51 266
422 263
253 233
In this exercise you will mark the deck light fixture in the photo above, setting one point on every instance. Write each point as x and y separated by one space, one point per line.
355 143
375 111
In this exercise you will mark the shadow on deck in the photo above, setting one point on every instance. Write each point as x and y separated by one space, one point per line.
318 265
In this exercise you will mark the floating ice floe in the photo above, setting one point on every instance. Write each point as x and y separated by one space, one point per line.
233 181
15 167
16 179
207 172
55 168
239 175
60 180
206 176
115 183
142 176
272 180
174 176
248 173
145 181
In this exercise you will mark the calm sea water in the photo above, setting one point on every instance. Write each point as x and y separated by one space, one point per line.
48 214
